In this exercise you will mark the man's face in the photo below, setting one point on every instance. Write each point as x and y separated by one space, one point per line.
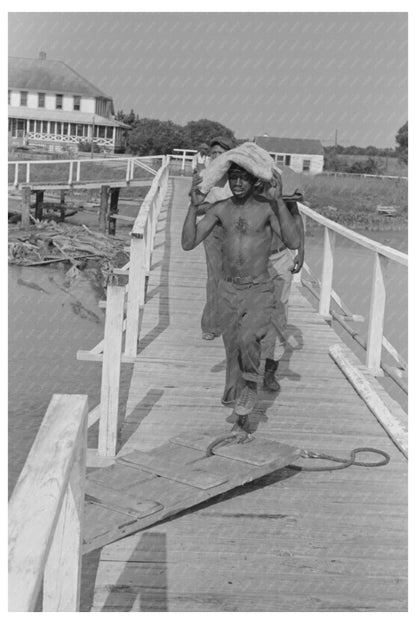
216 150
241 182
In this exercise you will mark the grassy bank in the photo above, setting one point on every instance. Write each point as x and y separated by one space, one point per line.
353 201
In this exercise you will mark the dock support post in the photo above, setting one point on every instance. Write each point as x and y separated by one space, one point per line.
114 195
327 272
62 202
103 208
135 295
376 318
39 205
110 380
25 222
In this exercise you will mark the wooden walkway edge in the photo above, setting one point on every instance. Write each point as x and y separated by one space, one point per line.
290 541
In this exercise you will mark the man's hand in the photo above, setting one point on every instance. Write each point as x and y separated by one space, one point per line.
298 261
195 194
273 189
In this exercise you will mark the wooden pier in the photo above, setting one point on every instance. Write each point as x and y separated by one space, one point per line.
290 541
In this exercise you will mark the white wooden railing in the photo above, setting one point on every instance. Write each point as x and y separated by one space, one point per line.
75 167
182 157
381 254
46 511
124 310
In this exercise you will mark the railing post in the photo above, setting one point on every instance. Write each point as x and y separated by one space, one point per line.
327 272
128 170
78 170
376 318
62 578
71 172
28 173
183 160
131 168
110 380
16 174
136 291
148 245
43 519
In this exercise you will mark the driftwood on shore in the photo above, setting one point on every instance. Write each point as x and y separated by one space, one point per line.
51 242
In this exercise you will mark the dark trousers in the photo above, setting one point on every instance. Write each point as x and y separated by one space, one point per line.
210 321
246 313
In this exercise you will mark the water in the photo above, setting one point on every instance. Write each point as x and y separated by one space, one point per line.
49 320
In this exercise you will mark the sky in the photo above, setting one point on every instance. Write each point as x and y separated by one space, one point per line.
299 75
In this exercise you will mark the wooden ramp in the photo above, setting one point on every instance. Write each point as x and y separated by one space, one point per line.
290 540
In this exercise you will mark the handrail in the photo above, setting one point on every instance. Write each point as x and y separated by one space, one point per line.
128 161
46 511
375 338
384 250
124 310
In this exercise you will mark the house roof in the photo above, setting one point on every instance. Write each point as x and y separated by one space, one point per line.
22 112
48 75
289 146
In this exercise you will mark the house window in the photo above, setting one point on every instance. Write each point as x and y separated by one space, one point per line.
279 158
58 127
38 126
59 100
287 160
41 100
306 166
101 132
65 130
80 130
52 130
31 126
23 98
77 102
109 132
45 127
73 129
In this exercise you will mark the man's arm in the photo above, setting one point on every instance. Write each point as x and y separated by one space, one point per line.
300 256
289 232
292 206
193 233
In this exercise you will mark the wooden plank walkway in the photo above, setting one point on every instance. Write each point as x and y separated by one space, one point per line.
291 541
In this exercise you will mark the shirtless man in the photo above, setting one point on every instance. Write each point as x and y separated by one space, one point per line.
246 289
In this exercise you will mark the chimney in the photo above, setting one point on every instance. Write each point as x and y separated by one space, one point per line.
42 56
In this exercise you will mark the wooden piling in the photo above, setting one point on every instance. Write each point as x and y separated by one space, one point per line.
103 208
114 195
25 222
39 205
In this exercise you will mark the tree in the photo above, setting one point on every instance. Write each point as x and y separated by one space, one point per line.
203 130
127 118
364 166
149 137
402 142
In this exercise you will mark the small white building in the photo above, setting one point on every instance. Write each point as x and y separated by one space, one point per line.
52 106
301 155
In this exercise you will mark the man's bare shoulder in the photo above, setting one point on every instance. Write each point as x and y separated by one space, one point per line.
219 206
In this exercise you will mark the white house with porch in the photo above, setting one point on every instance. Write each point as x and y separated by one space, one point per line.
301 155
54 107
